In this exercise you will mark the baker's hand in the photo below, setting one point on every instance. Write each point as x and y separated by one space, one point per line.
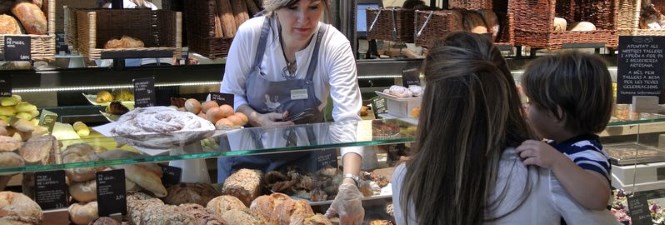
348 205
271 120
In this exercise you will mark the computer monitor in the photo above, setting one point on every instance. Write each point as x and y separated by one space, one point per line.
361 15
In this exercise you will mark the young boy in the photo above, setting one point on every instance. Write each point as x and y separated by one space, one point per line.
570 100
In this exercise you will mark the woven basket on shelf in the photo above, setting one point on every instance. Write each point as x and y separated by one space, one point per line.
42 47
629 18
534 21
393 24
432 25
160 31
470 4
200 22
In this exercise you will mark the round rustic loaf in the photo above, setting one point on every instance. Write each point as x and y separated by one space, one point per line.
20 208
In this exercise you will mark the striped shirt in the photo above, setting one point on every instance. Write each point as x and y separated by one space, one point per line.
587 152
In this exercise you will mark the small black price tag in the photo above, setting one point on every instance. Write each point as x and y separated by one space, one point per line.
17 48
51 189
61 46
171 175
222 98
639 210
640 71
144 92
378 106
410 76
111 196
5 85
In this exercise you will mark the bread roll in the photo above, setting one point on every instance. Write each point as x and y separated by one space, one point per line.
10 159
32 17
9 25
8 144
244 184
316 219
124 42
81 129
560 24
182 193
290 210
23 125
7 111
582 26
222 204
37 150
84 191
81 152
83 214
18 207
474 23
144 178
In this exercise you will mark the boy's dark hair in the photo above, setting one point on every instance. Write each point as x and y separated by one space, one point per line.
578 83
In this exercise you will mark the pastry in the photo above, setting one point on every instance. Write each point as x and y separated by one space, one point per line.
103 96
244 184
32 17
81 129
37 150
83 214
105 221
9 25
124 42
222 204
8 144
182 193
84 191
17 207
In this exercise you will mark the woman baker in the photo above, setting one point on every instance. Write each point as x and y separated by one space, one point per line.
282 68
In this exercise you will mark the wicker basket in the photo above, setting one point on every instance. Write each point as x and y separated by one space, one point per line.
42 47
160 31
629 18
200 22
393 24
60 11
432 25
470 4
534 21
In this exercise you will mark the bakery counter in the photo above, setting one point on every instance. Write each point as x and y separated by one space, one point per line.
103 151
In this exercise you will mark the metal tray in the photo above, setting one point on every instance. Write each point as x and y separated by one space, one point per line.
633 153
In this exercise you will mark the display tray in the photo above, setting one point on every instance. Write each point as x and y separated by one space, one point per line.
110 117
92 100
633 153
392 97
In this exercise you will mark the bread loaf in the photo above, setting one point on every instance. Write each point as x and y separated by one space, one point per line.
136 205
201 214
8 144
84 191
244 184
124 42
182 193
9 25
242 216
316 219
144 178
10 159
83 214
37 150
252 8
239 11
105 221
81 129
81 152
16 207
32 17
279 208
560 24
226 17
222 204
474 23
165 214
582 26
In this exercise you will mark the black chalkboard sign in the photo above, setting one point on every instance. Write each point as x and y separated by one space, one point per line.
639 210
222 98
640 70
5 85
61 46
378 106
410 77
17 48
144 92
111 196
171 175
51 189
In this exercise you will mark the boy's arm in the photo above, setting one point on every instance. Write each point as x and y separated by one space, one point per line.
587 187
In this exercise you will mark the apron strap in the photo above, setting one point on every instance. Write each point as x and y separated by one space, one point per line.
315 55
265 30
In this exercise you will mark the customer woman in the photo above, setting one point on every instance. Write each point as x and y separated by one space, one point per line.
464 169
282 67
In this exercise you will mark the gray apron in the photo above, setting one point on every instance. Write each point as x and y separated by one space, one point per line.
295 96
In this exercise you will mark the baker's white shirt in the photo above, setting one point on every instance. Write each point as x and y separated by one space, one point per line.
546 204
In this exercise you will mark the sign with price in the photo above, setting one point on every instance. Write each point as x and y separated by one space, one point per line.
51 189
17 48
222 98
639 210
171 175
410 76
144 92
640 70
111 196
5 85
60 46
378 106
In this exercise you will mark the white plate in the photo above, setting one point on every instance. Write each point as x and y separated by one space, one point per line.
110 117
392 97
93 100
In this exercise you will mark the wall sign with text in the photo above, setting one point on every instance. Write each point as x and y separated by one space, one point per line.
640 67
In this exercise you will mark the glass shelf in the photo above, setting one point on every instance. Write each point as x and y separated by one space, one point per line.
238 142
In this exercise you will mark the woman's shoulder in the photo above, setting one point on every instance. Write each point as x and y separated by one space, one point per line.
251 26
333 36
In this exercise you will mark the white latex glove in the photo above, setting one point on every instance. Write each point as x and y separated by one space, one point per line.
348 205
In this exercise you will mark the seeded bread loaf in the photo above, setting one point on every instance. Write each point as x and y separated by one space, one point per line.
244 184
182 193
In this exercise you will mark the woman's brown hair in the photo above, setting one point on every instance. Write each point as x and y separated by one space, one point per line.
470 114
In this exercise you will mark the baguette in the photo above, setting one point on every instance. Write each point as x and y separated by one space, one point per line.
252 7
144 178
227 19
239 11
32 17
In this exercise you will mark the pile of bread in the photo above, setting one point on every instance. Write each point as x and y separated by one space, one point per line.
651 17
223 116
561 24
229 14
14 106
115 95
404 92
23 17
38 150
